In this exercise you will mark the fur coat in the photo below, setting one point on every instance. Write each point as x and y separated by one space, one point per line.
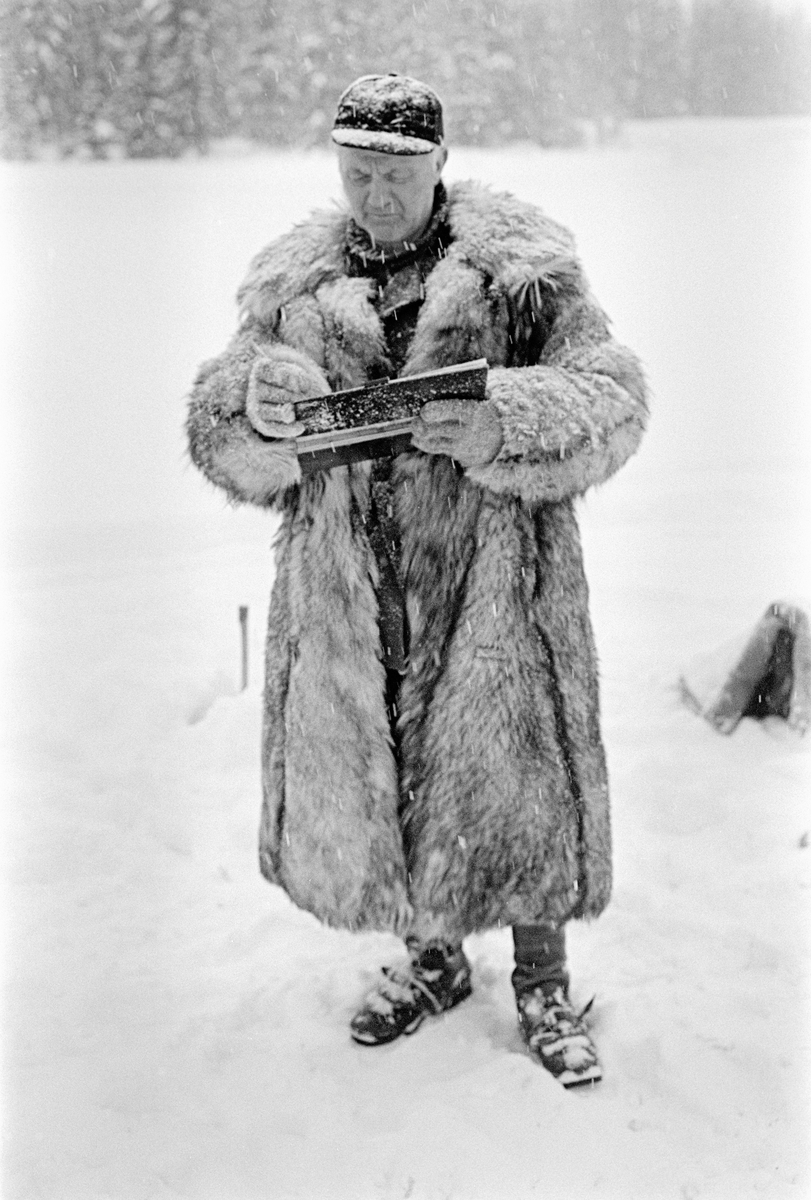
497 811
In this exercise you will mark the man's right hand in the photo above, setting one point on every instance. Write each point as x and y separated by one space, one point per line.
274 386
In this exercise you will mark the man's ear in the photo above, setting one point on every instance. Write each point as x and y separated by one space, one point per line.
440 158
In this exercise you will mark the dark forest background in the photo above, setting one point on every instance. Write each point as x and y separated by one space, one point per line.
147 78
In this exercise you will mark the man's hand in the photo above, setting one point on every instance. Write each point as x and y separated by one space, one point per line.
274 386
468 431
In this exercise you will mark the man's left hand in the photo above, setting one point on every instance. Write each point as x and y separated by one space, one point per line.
468 431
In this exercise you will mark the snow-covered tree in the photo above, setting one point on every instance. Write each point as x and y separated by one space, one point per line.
659 58
164 77
747 60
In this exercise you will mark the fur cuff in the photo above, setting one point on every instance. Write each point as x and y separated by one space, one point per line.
564 430
251 468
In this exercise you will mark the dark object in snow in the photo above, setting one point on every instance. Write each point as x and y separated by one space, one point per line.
375 421
392 114
770 676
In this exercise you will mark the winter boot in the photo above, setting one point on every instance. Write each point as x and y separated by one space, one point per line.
433 980
557 1037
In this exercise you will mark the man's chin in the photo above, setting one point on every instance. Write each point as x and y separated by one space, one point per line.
385 233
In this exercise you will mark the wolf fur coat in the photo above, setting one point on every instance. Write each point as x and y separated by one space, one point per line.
497 811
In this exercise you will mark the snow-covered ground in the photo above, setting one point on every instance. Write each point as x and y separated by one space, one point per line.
173 1026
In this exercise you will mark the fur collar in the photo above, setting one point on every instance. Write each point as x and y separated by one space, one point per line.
508 241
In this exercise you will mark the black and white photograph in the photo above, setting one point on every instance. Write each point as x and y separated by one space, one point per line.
406 599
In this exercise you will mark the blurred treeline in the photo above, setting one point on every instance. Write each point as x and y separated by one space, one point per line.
144 78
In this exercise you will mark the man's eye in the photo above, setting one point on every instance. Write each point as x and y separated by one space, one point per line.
359 177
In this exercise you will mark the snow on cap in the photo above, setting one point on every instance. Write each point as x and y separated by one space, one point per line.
391 113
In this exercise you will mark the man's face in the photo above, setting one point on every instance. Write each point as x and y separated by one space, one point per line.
391 195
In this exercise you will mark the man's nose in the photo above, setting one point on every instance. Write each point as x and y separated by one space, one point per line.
380 199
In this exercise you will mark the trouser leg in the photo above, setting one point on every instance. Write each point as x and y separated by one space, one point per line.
540 958
394 680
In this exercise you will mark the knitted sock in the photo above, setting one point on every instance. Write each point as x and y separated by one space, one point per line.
540 958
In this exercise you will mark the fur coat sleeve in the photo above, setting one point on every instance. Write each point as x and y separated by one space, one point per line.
573 418
571 399
222 441
279 317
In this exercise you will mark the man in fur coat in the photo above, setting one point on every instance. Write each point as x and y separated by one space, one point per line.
431 758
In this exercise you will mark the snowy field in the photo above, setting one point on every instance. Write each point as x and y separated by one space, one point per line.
173 1026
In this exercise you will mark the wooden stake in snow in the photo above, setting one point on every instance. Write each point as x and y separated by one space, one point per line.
243 622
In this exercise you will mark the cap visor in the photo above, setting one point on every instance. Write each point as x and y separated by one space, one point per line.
384 143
